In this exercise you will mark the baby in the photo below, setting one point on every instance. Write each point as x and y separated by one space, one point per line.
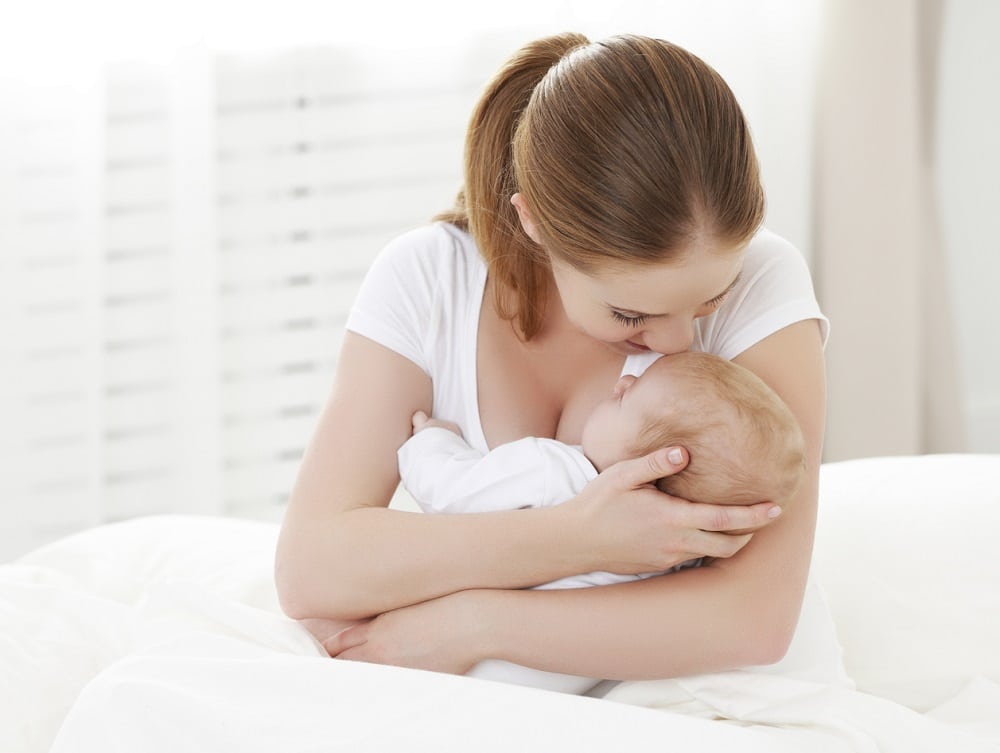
745 446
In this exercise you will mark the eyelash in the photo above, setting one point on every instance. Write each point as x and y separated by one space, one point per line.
629 321
717 301
638 321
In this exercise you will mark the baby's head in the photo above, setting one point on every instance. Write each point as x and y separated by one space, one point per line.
745 446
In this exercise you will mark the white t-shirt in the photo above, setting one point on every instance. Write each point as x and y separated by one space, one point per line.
422 299
424 292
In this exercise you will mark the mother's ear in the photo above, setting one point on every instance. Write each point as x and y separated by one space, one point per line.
524 214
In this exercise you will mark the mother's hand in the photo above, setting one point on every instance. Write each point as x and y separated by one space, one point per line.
443 635
636 528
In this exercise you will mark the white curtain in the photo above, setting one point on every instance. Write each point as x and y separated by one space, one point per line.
878 257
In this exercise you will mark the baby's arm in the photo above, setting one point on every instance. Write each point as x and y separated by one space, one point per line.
422 421
445 474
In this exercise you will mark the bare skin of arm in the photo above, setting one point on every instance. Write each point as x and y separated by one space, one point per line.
341 552
343 555
735 612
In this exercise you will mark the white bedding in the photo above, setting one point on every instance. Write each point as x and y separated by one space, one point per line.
164 634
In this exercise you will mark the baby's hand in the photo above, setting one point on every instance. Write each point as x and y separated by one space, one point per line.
421 421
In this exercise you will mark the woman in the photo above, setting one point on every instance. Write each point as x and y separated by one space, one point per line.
611 208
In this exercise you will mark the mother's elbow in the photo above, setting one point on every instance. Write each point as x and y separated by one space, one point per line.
298 588
304 590
773 648
291 588
769 644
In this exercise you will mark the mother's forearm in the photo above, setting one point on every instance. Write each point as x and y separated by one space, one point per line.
371 560
732 613
692 622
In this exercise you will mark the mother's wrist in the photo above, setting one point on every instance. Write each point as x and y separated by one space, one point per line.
481 626
574 543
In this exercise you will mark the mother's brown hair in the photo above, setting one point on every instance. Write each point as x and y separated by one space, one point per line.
624 150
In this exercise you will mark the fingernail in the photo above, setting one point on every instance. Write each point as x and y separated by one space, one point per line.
675 456
774 512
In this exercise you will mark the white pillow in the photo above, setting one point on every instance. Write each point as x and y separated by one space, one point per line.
907 554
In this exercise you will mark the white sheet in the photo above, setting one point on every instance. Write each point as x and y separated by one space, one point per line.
164 634
906 550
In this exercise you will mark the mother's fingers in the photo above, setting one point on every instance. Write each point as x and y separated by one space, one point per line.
322 628
648 469
347 639
729 518
718 545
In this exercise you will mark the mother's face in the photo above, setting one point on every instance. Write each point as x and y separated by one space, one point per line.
649 307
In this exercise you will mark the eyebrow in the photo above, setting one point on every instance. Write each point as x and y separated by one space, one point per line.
632 312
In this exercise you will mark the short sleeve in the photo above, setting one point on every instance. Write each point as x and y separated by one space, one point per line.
775 290
395 303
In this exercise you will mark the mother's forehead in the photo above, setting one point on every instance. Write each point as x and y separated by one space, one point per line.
645 287
695 262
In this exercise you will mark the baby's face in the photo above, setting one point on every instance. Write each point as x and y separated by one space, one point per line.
616 422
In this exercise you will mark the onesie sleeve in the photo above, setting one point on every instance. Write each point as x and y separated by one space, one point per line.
444 474
775 290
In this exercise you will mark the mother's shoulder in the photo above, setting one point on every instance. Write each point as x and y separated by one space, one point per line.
431 258
767 243
435 239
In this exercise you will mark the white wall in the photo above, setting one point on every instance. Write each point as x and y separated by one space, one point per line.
968 160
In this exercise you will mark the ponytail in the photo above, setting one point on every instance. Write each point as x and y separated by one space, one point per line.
625 151
518 266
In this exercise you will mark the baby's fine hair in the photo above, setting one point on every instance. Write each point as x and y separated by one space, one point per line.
745 446
625 151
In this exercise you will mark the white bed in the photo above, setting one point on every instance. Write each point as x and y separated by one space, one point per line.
164 634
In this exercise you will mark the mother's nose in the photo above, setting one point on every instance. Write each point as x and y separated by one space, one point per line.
669 335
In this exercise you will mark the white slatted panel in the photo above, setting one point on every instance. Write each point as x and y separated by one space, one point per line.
323 157
179 248
138 390
49 292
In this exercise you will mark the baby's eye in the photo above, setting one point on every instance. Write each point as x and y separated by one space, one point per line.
628 321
